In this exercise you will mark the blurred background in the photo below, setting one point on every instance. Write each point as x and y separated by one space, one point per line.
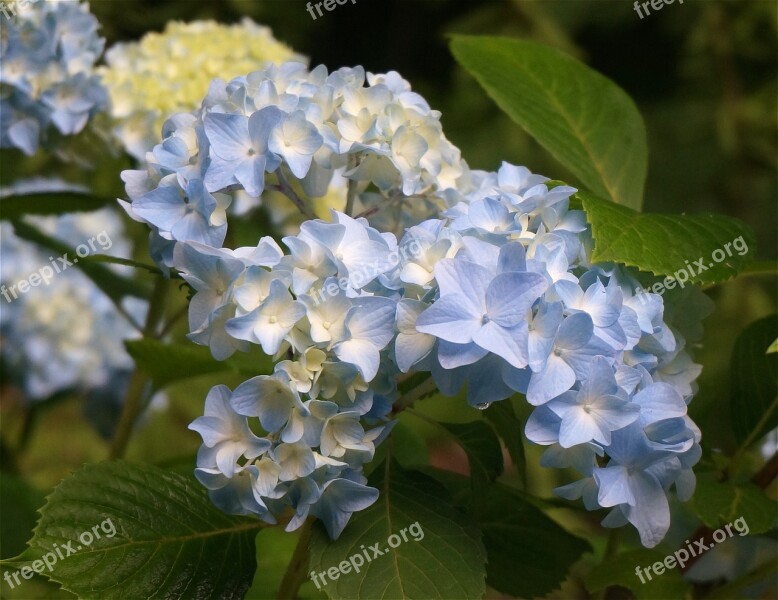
703 74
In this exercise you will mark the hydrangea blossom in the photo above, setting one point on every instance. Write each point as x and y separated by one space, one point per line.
477 278
146 89
48 82
286 123
64 333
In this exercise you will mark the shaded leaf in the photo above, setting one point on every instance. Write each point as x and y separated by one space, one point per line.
754 391
19 502
483 450
529 554
14 207
503 418
620 570
587 122
167 363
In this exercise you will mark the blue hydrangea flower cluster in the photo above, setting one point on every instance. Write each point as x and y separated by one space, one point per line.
65 333
291 129
48 51
488 284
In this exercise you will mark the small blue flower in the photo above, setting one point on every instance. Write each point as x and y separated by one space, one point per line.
226 433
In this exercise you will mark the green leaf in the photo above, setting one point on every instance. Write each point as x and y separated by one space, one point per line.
717 504
754 391
668 244
447 562
773 347
113 285
621 571
528 553
583 119
160 536
483 450
503 418
408 445
167 363
14 207
19 501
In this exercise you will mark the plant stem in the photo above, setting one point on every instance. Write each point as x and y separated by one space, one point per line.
134 402
29 420
352 187
173 320
286 189
425 387
135 398
298 566
612 546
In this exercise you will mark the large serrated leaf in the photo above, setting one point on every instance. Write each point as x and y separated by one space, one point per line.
583 119
717 504
167 363
169 541
668 244
529 554
483 450
754 392
447 563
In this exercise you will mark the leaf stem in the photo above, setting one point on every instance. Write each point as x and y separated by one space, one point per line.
137 390
296 570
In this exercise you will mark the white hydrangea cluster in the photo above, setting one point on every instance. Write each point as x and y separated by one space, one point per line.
47 82
285 124
489 283
169 72
64 333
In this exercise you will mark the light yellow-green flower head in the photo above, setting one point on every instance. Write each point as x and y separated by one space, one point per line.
169 72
